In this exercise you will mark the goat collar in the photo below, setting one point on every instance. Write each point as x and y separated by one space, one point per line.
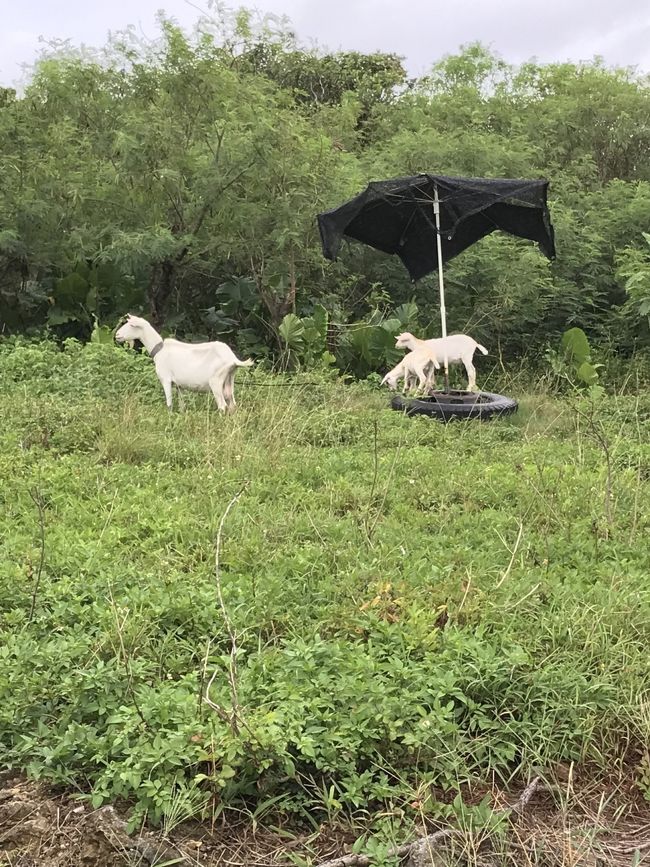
154 352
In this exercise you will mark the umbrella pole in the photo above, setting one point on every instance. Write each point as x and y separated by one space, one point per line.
441 280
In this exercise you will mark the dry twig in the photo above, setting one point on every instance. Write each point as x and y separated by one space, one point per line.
419 848
234 718
39 502
150 850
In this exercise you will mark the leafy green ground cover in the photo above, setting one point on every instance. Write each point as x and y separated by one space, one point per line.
414 606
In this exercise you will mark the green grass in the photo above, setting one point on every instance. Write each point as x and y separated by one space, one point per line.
415 605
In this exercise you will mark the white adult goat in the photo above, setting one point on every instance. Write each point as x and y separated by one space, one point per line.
457 348
414 365
198 366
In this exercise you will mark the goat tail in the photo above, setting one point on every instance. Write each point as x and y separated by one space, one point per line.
482 348
248 363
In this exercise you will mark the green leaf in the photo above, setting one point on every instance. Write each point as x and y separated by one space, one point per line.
407 314
292 331
381 344
56 316
320 318
587 373
393 326
576 345
100 334
71 290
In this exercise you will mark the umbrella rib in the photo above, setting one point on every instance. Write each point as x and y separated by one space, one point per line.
406 228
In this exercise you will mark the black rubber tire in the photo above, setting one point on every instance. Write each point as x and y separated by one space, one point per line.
448 405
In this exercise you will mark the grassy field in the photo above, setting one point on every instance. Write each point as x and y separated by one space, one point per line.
399 610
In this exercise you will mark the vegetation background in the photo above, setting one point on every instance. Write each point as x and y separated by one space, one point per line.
318 613
180 178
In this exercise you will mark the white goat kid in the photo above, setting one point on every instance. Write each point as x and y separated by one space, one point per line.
197 366
413 366
459 348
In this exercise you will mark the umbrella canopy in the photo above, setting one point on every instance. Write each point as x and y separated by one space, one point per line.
397 216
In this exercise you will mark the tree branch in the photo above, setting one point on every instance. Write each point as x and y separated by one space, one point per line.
222 189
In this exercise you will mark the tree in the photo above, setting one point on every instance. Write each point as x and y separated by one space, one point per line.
182 177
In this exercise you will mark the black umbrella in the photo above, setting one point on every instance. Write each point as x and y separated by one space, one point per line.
405 215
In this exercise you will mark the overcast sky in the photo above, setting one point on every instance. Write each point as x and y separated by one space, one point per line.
422 31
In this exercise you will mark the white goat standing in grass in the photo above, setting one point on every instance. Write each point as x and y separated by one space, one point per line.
457 347
198 366
412 366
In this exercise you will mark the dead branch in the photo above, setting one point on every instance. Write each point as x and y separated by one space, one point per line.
418 849
151 850
631 848
512 558
522 801
413 850
234 716
595 432
39 502
374 478
119 626
379 511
